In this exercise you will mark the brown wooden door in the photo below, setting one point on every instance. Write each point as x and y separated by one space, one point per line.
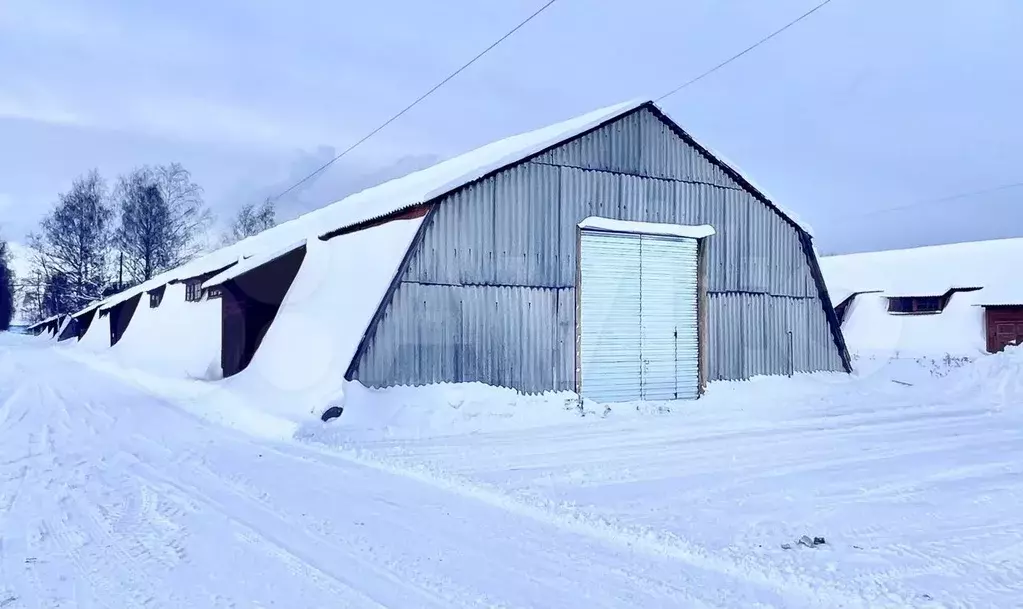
1005 327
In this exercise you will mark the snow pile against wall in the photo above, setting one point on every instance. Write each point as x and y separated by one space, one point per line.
300 364
958 331
97 337
178 339
448 408
996 379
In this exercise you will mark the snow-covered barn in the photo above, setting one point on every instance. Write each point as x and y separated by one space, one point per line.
610 254
960 299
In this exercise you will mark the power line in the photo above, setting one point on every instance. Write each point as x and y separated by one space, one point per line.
955 197
419 99
744 51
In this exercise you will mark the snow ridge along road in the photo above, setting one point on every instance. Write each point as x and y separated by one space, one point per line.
112 497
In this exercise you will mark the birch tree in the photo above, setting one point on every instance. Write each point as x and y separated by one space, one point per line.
251 220
76 239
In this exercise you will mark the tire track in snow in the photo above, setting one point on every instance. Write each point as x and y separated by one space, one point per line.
814 592
346 591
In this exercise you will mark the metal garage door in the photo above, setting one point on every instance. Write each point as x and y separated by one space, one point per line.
638 317
669 334
609 317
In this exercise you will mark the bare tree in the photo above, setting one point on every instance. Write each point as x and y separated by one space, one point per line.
251 220
189 216
6 288
146 233
76 239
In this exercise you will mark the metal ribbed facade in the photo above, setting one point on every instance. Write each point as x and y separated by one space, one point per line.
489 294
505 336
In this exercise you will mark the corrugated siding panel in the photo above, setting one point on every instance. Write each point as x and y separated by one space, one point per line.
458 244
662 201
665 155
583 194
527 225
564 357
749 336
503 336
615 147
754 250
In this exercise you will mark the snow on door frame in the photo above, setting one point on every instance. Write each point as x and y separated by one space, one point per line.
612 366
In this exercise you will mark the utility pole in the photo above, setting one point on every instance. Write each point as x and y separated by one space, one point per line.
120 272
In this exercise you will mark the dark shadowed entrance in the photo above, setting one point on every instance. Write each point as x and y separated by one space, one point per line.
250 303
84 321
120 317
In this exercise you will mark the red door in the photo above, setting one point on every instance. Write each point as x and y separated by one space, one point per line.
1004 328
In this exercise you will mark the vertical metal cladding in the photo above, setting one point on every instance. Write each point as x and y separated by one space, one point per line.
665 155
505 336
527 223
458 245
749 336
616 147
583 194
489 294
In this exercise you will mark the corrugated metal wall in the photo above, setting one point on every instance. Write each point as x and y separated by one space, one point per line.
489 295
506 336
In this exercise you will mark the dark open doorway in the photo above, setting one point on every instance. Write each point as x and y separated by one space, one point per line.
120 316
250 303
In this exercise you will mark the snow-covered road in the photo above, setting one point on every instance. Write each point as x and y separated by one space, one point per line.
111 497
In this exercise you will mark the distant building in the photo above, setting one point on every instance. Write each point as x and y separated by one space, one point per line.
959 299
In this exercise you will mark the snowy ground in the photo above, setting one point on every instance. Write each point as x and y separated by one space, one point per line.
116 490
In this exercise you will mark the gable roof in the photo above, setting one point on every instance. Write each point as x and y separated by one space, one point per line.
440 179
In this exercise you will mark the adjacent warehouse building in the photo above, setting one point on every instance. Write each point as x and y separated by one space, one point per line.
960 299
611 254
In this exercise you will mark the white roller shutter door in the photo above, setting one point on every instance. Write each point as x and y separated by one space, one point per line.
609 346
639 323
669 323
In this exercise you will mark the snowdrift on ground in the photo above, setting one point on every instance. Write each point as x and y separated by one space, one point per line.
447 408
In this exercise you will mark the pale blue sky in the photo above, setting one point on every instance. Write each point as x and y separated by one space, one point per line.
868 104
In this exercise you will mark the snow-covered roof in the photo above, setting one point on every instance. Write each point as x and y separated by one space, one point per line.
1008 294
650 228
250 263
413 189
930 271
145 286
92 305
44 322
